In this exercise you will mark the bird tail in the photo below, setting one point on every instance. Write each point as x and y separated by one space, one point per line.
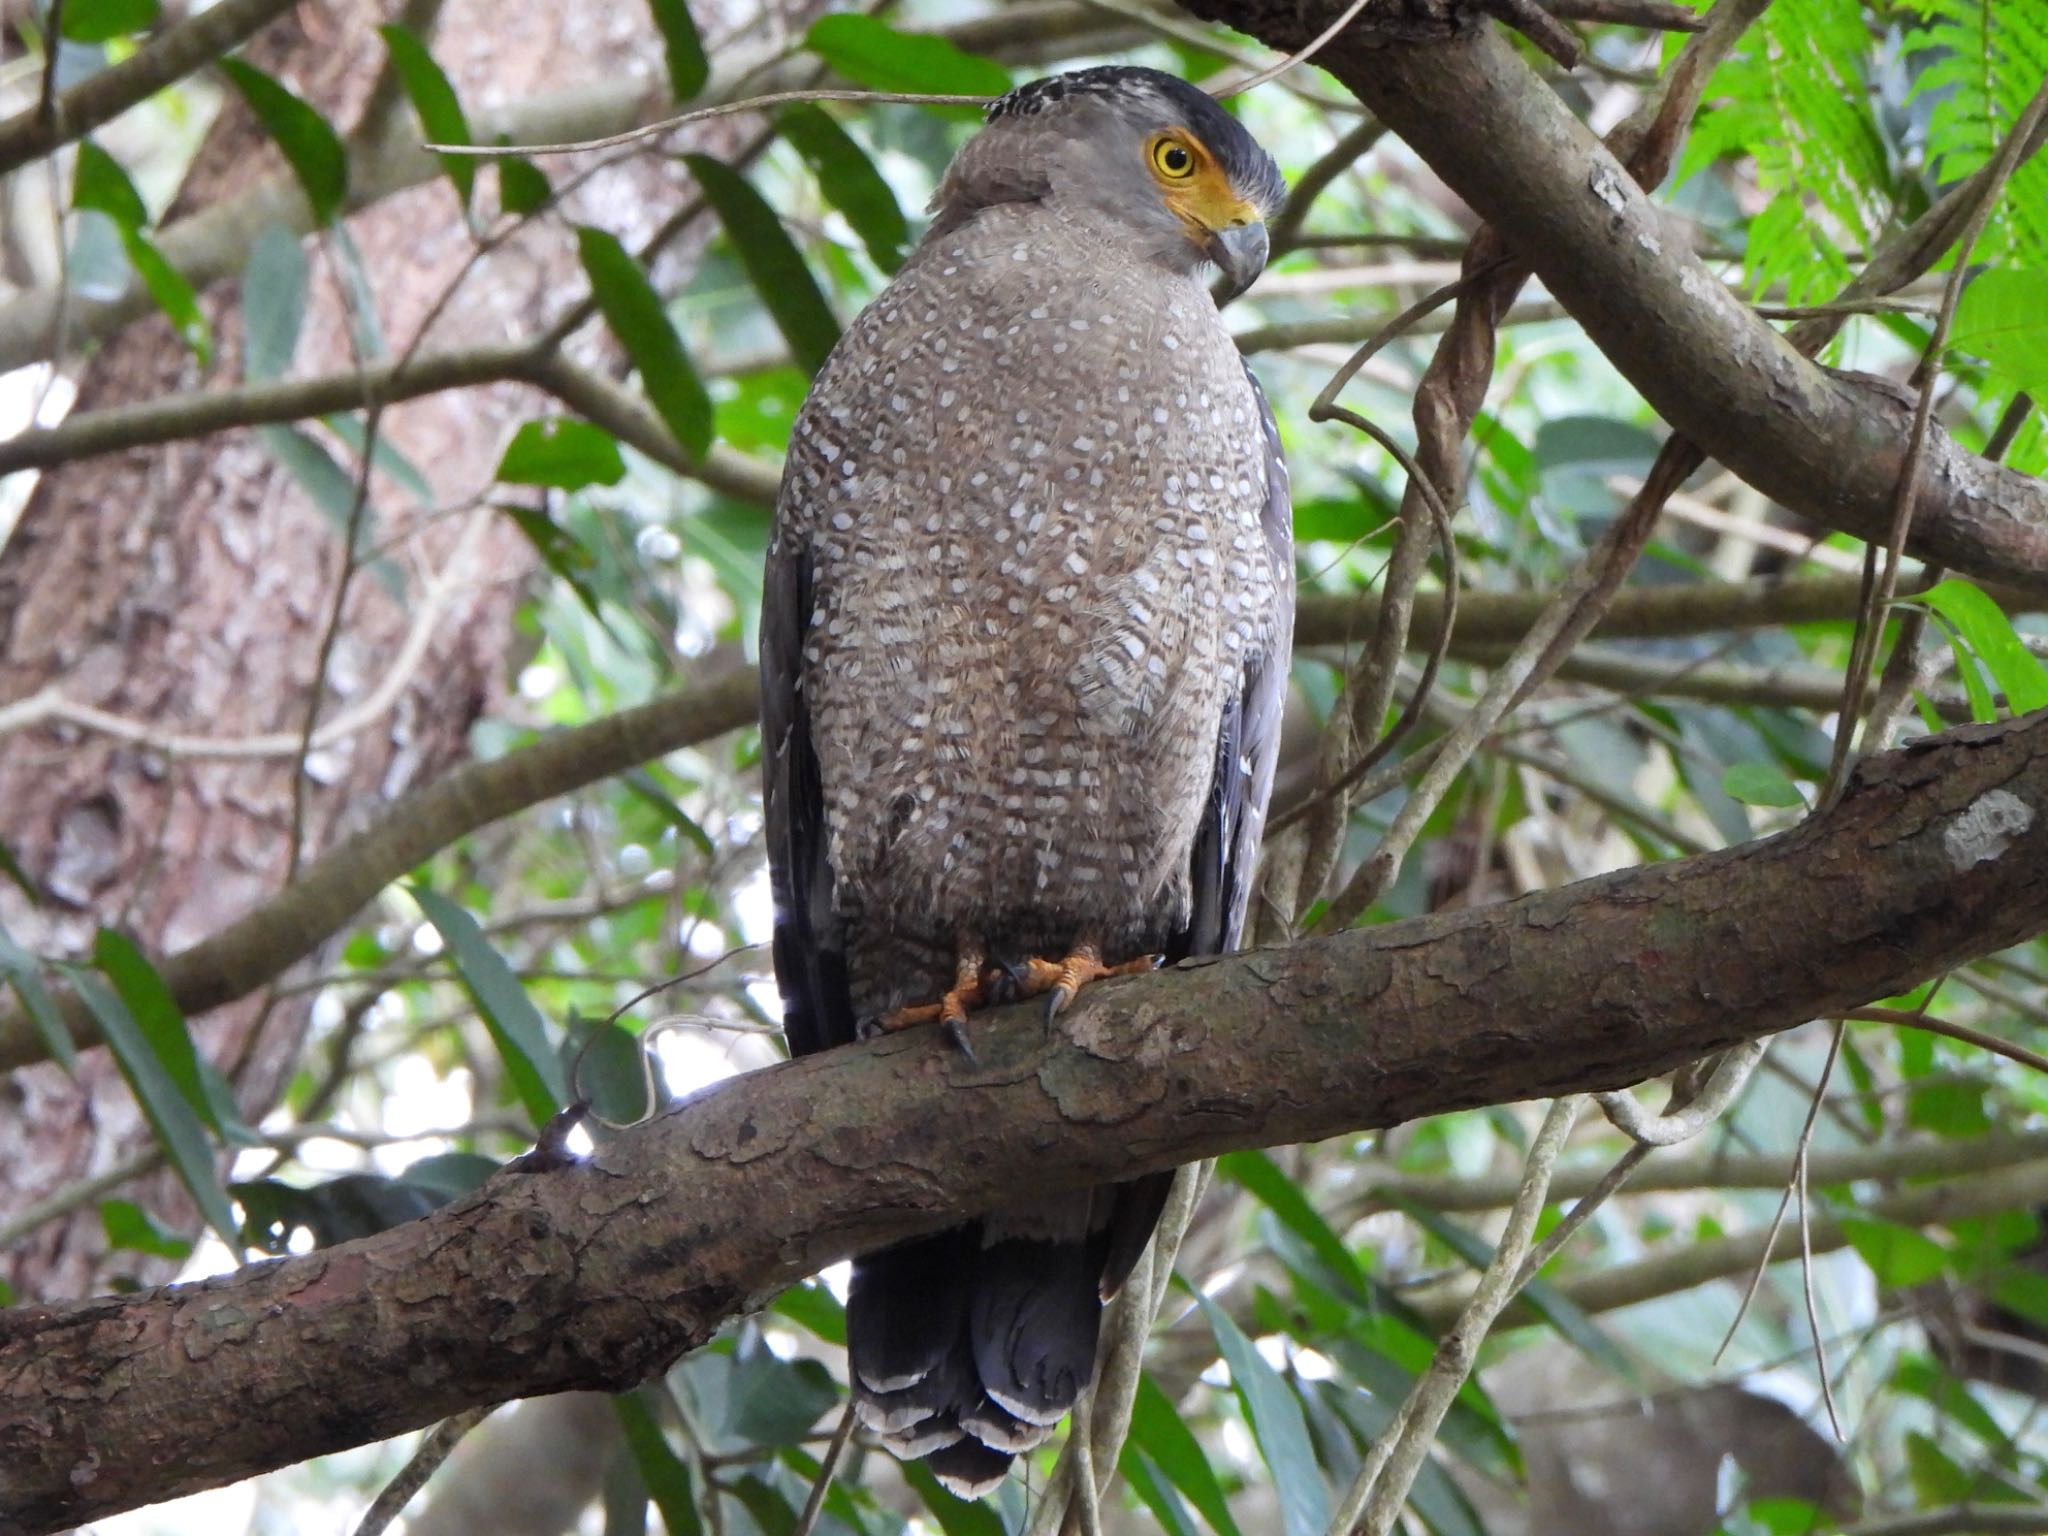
969 1346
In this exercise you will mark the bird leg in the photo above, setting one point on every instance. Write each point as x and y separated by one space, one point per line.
1063 979
949 1012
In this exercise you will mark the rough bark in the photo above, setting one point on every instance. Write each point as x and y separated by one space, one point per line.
591 1274
188 588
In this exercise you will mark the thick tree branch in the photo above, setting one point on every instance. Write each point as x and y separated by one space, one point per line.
1829 445
144 423
332 889
594 1274
172 55
260 947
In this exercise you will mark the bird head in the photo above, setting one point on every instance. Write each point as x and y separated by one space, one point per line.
1143 156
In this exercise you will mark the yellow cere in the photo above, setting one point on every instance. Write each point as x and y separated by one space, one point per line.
1196 187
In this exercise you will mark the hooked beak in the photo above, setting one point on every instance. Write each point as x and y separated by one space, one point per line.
1241 252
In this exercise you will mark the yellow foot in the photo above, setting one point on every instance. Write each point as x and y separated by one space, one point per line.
949 1012
1060 981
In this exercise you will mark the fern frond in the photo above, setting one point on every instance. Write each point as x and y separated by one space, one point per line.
1979 63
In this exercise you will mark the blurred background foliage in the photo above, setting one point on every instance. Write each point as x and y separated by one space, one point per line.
1632 1391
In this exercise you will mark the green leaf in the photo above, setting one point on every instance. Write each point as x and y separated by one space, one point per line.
99 183
173 295
1545 1299
1981 622
870 52
1162 1437
563 453
1952 1109
775 1402
171 1116
1277 1424
311 147
515 1024
1158 1494
645 788
1760 784
1936 1477
273 304
610 1069
127 1225
561 552
434 100
26 976
333 490
814 1307
522 185
385 454
682 47
1897 1255
2003 318
634 312
162 1022
101 21
849 180
663 1472
774 265
1258 1173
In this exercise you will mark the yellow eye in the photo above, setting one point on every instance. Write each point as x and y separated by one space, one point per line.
1173 159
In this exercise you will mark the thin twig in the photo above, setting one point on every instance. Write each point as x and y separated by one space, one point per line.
700 114
1799 1155
1728 1078
434 1448
1309 50
1380 1491
828 1466
1908 1019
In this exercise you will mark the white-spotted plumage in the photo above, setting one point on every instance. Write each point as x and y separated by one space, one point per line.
1024 643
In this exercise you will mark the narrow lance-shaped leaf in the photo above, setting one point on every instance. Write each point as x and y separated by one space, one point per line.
100 185
849 180
176 1124
870 52
682 47
1283 1197
1278 1425
774 265
515 1024
273 303
1163 1438
2021 677
634 312
98 182
1566 1317
101 21
561 453
666 1478
434 100
162 1022
20 968
311 147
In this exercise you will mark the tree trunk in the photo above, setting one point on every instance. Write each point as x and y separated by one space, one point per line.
189 590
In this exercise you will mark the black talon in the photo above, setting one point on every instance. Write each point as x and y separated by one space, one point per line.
956 1031
1007 985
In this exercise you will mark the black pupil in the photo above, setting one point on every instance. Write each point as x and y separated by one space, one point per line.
1176 158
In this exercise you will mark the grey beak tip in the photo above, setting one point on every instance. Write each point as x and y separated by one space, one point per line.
1241 254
